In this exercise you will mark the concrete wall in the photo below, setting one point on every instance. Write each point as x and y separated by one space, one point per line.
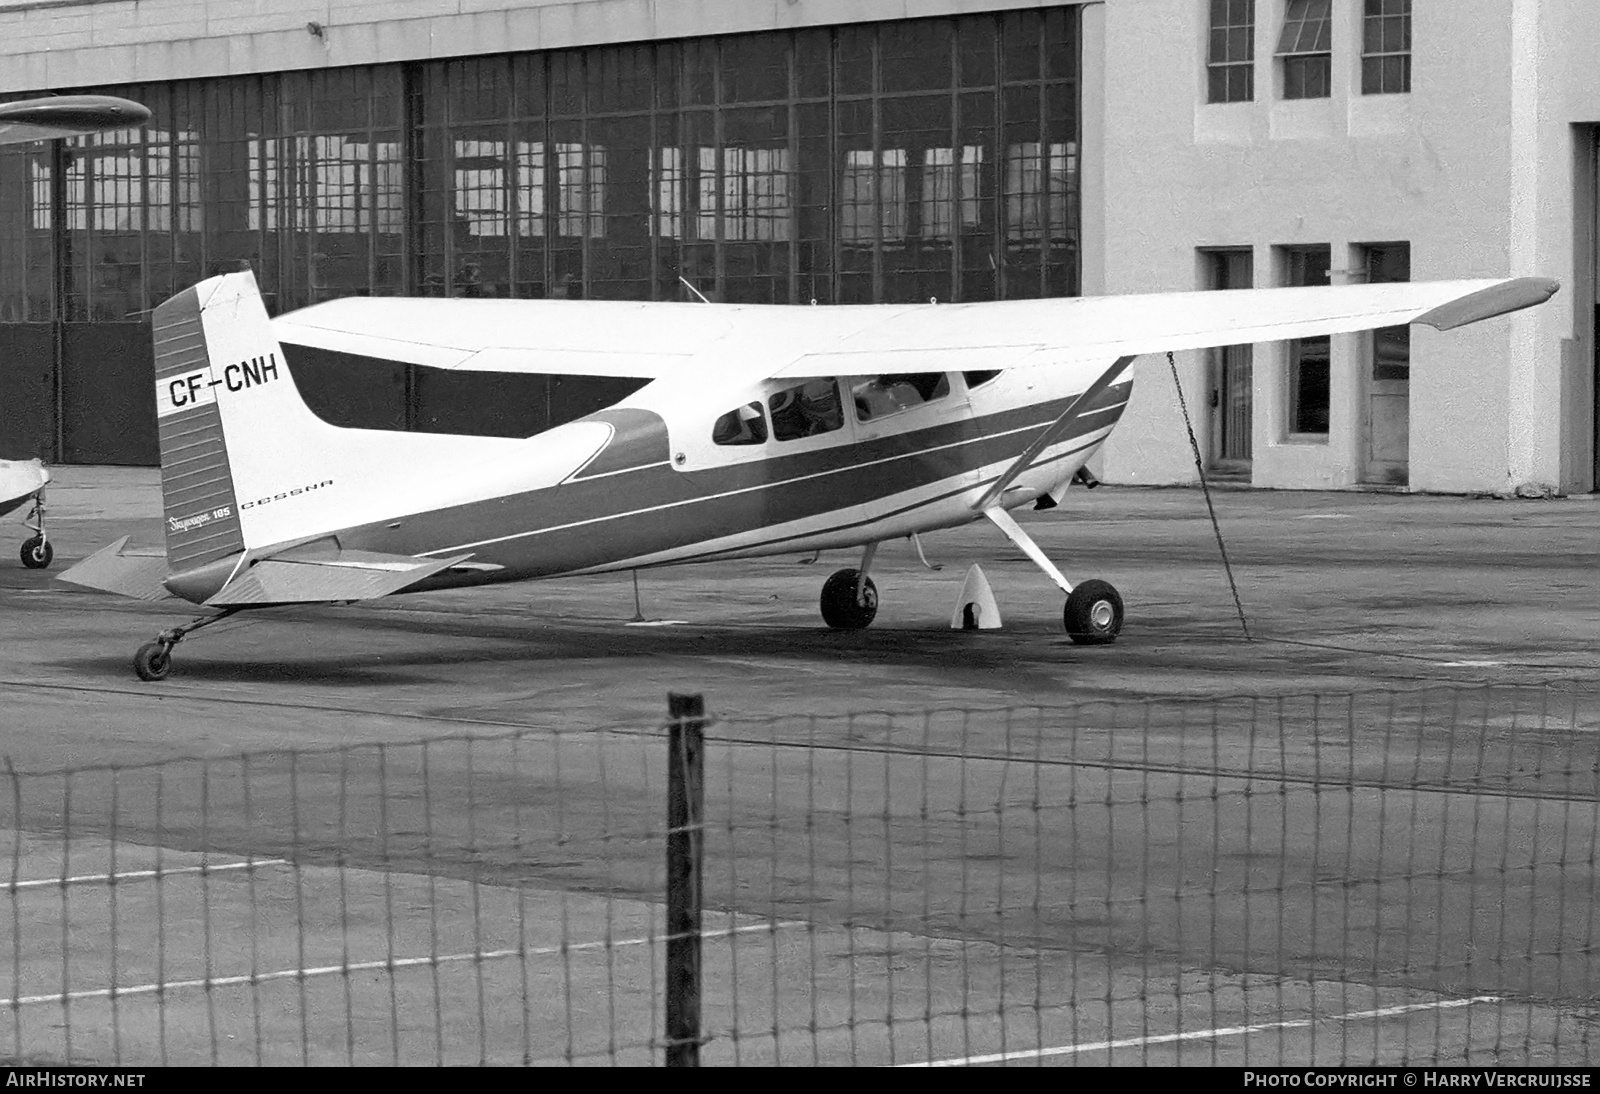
50 44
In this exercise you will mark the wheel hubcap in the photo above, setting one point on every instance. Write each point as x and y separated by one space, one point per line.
1102 614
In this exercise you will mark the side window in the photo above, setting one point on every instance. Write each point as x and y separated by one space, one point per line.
881 396
977 379
745 425
806 410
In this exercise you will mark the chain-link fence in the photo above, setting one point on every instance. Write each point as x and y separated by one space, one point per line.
1377 878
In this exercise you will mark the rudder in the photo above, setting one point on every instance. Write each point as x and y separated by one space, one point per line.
197 493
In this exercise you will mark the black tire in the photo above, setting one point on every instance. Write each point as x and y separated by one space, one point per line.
153 661
839 607
1093 615
37 553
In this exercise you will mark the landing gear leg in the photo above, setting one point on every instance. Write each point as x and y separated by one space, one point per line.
849 598
153 660
1093 613
36 550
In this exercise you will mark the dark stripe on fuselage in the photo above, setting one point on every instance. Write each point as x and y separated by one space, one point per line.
590 521
778 541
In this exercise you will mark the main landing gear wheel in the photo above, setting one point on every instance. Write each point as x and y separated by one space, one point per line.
37 553
840 608
153 661
1093 615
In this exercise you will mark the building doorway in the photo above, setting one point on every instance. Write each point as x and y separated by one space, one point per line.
1232 394
1387 459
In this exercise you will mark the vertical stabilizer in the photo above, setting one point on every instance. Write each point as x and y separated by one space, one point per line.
202 512
244 463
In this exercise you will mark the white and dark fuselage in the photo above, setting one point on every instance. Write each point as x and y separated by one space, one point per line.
658 491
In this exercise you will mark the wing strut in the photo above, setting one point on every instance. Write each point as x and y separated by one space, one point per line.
1048 437
1008 524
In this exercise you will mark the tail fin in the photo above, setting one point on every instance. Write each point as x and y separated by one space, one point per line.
197 491
242 457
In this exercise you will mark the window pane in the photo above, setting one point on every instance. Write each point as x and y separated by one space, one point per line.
1307 77
806 410
916 56
746 425
975 38
1309 388
1308 357
854 70
880 396
1307 27
1019 43
755 67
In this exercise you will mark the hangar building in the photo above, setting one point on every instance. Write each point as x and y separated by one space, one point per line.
793 151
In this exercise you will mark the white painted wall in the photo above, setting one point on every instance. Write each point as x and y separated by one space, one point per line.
1438 167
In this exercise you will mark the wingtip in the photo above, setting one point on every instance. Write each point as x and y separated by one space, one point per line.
1501 299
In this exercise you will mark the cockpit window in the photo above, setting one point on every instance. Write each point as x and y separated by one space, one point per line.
806 410
881 396
974 379
744 425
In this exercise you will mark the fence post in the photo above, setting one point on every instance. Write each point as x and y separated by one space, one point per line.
685 847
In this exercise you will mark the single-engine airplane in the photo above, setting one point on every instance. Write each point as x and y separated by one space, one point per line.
20 123
758 430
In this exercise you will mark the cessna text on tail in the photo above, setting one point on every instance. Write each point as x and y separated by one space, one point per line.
756 430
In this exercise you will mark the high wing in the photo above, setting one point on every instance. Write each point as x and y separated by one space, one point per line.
67 116
588 338
653 340
1036 333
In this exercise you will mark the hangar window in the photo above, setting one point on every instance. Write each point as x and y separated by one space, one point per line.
880 396
1309 358
1386 47
1306 47
744 425
1231 57
806 410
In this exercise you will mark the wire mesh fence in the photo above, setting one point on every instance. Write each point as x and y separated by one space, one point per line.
1389 878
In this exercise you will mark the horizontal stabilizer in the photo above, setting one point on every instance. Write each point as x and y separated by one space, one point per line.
309 577
138 573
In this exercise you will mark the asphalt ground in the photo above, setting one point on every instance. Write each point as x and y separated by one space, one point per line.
1093 855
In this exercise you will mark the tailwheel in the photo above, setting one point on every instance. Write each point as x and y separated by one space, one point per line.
153 661
37 553
1093 615
842 609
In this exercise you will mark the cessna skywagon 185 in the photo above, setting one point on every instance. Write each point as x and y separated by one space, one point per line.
20 123
758 430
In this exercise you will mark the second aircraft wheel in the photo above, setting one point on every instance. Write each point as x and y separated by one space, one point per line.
153 661
840 609
1093 615
37 553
